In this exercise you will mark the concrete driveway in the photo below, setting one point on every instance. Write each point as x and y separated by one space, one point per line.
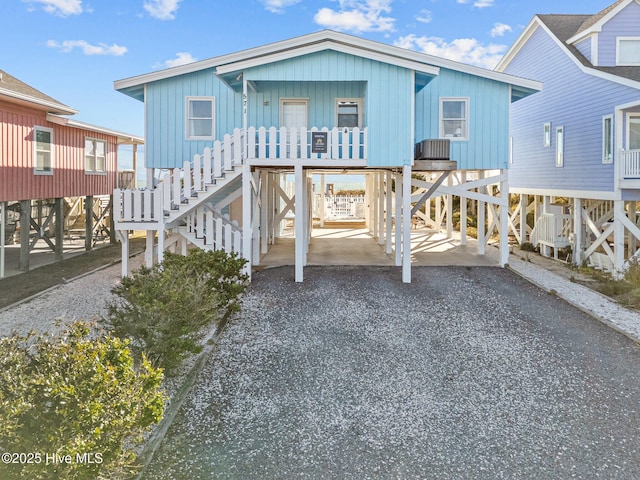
467 373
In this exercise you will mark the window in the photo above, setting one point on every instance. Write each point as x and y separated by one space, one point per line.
559 146
43 150
454 118
633 133
607 139
95 155
200 118
349 112
628 51
546 141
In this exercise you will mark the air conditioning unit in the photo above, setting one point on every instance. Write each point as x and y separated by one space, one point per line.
433 150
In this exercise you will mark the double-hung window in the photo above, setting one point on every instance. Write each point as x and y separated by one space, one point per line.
607 139
95 155
200 121
43 150
454 118
628 51
349 112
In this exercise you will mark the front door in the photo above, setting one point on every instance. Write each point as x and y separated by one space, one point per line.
633 141
294 113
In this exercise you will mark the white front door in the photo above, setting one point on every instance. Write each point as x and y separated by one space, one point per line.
294 113
633 138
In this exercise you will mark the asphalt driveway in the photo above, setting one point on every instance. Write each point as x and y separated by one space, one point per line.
466 373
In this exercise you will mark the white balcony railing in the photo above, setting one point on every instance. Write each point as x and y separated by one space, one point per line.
630 164
296 143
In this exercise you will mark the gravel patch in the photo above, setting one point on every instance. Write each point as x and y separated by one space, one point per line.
465 373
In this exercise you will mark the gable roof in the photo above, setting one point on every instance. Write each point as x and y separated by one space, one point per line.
322 40
562 29
594 22
17 91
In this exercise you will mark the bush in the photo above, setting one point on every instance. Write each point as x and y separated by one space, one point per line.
164 309
75 397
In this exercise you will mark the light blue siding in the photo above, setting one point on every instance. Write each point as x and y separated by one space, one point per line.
571 99
487 147
625 24
387 90
584 47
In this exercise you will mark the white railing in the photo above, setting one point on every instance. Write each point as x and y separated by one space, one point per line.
180 184
630 163
296 143
214 230
551 230
339 206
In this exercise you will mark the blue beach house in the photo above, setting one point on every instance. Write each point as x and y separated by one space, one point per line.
576 144
221 134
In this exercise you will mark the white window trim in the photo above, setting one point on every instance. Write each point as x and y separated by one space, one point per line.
546 135
359 101
106 156
441 119
618 63
560 146
213 118
604 157
293 100
35 151
628 133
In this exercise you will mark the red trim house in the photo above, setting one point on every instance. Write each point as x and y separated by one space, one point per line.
45 158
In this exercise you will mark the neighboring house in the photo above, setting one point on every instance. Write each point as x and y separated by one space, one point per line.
46 158
576 145
221 135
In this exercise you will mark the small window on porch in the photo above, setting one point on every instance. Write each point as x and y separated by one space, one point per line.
560 147
454 118
200 121
607 139
349 112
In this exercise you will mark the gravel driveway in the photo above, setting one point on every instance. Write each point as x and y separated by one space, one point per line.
466 373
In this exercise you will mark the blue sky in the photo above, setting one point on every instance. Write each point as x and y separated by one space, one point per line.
73 50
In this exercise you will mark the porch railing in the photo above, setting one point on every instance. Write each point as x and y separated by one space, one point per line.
296 143
630 164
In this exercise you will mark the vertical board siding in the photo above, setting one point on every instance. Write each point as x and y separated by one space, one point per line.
488 144
625 24
572 99
17 178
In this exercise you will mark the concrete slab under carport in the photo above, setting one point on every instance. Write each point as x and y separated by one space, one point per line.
357 246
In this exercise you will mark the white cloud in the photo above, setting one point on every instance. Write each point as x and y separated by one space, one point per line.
278 6
88 49
357 16
162 9
499 29
182 58
424 16
483 3
465 50
63 8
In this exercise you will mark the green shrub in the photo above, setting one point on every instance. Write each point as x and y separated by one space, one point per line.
164 309
73 405
527 247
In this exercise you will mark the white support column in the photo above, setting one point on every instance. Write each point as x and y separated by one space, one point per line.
264 211
300 240
374 203
449 198
618 238
148 252
389 217
247 230
161 241
632 241
524 200
481 218
577 231
398 222
463 212
406 224
255 220
3 232
367 201
438 211
546 202
381 229
124 239
323 200
504 220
